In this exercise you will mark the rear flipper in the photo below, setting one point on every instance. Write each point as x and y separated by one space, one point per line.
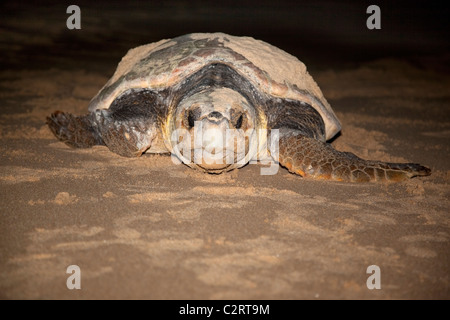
319 160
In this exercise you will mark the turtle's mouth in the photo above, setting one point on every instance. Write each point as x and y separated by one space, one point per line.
214 168
217 161
213 150
212 144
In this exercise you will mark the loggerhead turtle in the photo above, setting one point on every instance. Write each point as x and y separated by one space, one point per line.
164 94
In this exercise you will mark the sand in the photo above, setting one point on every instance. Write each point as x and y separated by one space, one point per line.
147 228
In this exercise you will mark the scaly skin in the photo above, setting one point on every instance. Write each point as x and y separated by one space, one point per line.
315 159
75 131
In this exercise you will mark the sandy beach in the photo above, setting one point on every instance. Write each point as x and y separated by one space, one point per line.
145 228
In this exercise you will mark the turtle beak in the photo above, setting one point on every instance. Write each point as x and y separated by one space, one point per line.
210 141
214 129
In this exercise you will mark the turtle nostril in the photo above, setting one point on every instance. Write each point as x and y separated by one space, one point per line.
215 116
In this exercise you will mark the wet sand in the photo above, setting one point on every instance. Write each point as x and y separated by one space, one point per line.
147 228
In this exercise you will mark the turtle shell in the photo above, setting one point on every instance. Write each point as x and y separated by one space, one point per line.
166 63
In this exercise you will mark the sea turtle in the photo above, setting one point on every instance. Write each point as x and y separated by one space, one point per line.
186 95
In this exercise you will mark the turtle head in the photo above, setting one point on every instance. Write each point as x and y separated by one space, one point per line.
214 130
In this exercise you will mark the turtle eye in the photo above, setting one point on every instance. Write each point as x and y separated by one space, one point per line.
239 122
191 119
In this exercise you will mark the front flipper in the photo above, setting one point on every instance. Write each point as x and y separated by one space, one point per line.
309 157
127 128
75 131
129 137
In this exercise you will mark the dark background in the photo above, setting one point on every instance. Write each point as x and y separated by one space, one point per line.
323 34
